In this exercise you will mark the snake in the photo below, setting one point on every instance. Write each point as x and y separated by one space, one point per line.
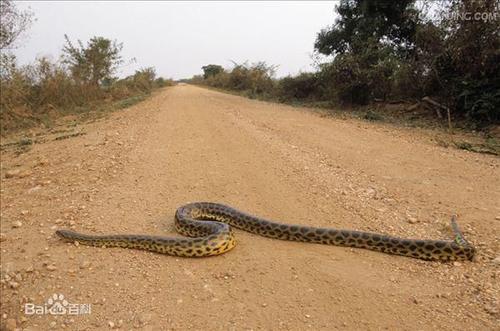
208 231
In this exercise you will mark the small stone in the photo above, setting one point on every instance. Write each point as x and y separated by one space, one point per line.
17 224
3 237
412 220
52 324
145 318
51 267
58 221
30 269
24 173
24 212
264 305
497 218
14 285
111 324
12 173
496 261
10 324
43 162
308 316
84 265
457 264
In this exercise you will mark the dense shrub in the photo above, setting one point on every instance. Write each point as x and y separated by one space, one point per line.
47 88
305 86
254 80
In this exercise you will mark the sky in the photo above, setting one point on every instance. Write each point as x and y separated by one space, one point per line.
178 38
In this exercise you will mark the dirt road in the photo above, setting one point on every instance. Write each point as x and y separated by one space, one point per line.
129 173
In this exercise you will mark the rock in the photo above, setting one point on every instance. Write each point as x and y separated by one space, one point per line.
34 189
10 324
145 318
3 237
17 224
51 267
53 324
496 261
457 264
14 285
111 324
84 265
12 173
42 162
24 173
412 220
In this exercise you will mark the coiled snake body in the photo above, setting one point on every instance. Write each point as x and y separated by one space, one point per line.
209 227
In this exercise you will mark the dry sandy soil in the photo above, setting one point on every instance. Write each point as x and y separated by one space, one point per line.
130 171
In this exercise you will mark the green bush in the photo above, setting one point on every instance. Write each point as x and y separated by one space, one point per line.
305 86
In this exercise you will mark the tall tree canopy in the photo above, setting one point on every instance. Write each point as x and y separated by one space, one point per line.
95 62
13 22
367 21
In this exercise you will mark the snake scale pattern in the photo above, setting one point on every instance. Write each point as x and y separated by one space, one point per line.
208 226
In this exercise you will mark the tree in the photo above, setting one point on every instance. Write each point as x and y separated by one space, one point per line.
94 63
362 21
13 23
211 70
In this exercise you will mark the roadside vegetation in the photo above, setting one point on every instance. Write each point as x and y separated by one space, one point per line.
81 81
436 61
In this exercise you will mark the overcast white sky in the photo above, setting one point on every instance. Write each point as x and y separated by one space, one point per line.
177 38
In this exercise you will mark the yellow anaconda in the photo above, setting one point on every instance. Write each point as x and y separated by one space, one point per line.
209 227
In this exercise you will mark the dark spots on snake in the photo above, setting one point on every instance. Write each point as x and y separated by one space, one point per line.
429 247
199 251
283 226
439 244
355 235
294 228
320 231
304 230
365 235
447 250
412 247
339 239
189 251
344 233
419 243
311 235
385 239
